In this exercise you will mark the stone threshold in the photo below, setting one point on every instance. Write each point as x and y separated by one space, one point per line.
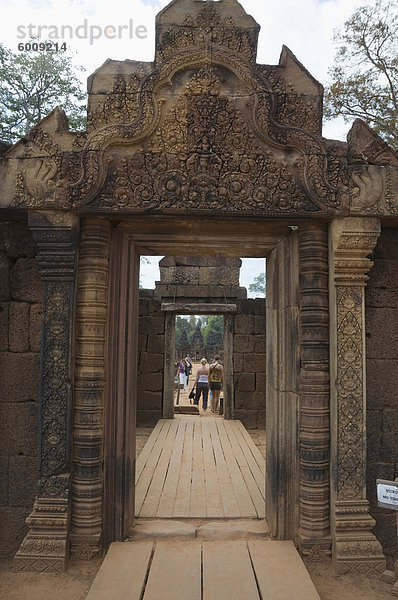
201 529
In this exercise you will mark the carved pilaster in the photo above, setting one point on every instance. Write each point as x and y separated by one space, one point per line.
46 545
355 547
314 531
91 315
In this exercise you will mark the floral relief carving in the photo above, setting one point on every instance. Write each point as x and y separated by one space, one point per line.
350 391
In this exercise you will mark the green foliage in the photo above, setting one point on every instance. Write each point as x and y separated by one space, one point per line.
213 331
32 85
259 285
199 331
365 74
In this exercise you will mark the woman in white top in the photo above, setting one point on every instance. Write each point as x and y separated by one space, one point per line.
202 383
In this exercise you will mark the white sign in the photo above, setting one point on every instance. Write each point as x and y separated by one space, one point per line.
387 494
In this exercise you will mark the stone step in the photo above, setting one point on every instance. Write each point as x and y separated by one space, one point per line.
253 569
234 529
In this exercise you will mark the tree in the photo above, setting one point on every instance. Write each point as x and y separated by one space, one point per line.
365 73
213 331
32 84
258 286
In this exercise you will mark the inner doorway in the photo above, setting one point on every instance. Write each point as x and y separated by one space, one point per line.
211 238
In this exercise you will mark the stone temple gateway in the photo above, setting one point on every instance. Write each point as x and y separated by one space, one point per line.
203 152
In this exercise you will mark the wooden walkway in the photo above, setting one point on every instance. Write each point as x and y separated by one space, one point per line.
200 467
194 570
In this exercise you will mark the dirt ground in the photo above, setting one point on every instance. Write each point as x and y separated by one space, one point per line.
75 583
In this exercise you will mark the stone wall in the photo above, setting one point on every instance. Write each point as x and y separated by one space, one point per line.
382 382
20 327
150 360
250 362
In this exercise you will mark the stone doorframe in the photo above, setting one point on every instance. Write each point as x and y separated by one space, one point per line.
99 508
171 311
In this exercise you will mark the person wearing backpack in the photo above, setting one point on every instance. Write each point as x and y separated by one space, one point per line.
216 380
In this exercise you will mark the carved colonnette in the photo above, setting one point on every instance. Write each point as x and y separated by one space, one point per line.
314 528
88 426
351 241
46 545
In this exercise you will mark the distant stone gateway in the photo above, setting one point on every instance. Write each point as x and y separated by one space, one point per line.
201 153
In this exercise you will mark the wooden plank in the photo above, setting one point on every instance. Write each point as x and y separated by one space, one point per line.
147 449
166 504
214 507
280 572
260 460
242 494
145 478
252 484
183 492
228 572
123 573
152 498
175 572
258 474
229 501
197 507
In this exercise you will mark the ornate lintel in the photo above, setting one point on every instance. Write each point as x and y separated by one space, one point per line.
355 548
46 545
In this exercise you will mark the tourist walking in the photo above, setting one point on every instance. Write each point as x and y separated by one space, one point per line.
188 367
216 380
202 384
181 374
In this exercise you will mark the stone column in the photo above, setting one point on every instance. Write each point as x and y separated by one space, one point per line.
314 531
355 548
88 429
46 545
228 388
169 361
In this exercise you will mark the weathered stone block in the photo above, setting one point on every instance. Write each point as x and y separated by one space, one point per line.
248 418
381 333
13 386
4 311
389 443
143 309
387 245
381 383
3 480
150 363
151 382
260 324
239 363
25 281
244 324
218 276
261 381
156 343
23 478
148 418
244 343
17 240
382 289
246 382
19 326
254 363
179 275
244 400
261 420
35 327
142 342
260 344
374 435
150 400
19 427
12 529
5 278
154 307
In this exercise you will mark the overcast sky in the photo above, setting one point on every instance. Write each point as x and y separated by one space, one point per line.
305 26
